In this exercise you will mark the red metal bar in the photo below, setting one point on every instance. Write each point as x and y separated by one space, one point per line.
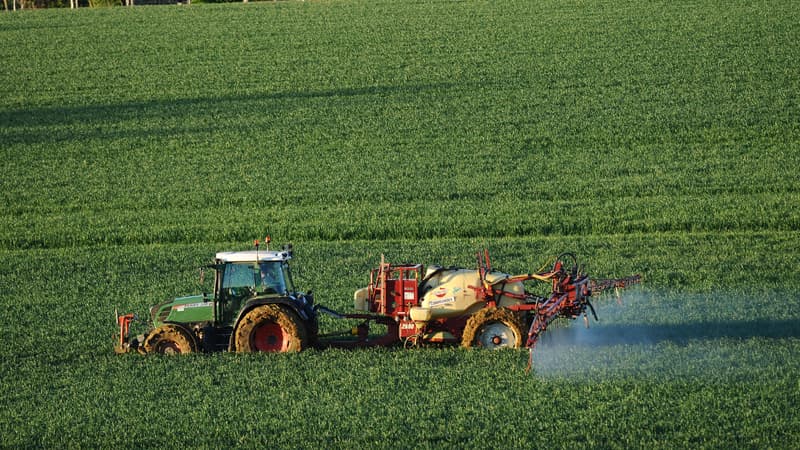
124 322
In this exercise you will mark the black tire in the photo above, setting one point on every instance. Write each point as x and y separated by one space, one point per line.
169 339
270 328
493 328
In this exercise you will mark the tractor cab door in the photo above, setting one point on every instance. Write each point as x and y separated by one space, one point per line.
236 283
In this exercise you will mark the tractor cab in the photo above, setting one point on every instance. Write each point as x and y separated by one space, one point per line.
241 276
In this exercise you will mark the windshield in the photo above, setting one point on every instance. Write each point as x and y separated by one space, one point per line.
272 278
269 277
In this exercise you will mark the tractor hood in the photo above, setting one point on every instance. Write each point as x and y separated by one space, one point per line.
188 300
192 308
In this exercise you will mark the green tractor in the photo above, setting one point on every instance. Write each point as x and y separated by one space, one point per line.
254 308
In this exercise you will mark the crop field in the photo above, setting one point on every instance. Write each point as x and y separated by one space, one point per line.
657 137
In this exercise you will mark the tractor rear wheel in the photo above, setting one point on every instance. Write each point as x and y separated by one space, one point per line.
169 339
493 328
270 328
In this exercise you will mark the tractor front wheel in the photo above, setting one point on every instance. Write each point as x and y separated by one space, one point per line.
169 340
270 328
493 328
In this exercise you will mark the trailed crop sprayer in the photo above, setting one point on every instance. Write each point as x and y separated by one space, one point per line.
255 307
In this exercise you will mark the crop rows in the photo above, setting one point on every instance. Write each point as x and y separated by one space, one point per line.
655 138
668 367
651 125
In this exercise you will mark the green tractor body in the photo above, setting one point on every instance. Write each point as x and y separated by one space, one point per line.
189 309
254 307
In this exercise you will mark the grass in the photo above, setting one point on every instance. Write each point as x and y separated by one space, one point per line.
655 138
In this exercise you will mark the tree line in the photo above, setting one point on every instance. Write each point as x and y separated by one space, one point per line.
14 5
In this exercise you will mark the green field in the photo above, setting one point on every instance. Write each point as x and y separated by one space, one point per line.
659 137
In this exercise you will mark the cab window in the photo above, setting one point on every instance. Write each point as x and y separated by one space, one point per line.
272 279
238 276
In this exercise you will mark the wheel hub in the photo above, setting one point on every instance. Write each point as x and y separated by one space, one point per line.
270 337
496 335
169 348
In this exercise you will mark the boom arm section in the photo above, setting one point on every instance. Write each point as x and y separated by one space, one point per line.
570 299
599 286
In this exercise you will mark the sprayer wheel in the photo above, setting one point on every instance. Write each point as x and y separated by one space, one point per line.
270 328
169 339
493 328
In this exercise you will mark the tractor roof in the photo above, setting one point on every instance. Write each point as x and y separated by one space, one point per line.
253 255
